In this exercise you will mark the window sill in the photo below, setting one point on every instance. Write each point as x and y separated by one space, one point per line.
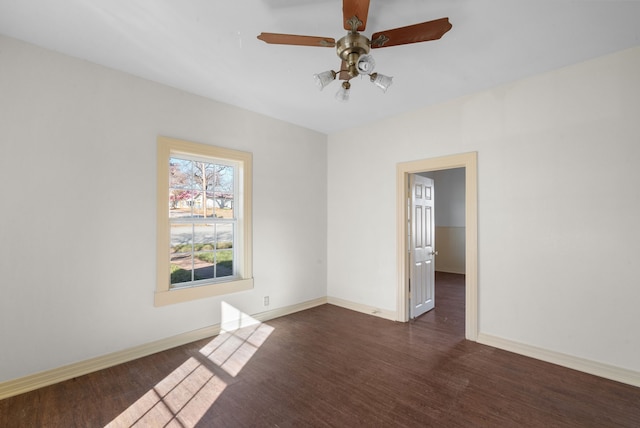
163 298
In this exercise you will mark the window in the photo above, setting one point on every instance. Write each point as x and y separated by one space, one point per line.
204 221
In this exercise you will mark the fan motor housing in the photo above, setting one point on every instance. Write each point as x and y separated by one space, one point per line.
350 48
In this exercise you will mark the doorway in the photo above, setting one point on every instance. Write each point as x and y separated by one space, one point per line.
468 161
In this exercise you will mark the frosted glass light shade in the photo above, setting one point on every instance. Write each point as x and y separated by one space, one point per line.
365 64
381 81
324 78
343 92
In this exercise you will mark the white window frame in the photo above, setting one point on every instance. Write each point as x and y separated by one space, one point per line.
243 277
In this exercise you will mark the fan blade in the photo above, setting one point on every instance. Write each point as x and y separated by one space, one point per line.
416 33
357 8
292 39
344 73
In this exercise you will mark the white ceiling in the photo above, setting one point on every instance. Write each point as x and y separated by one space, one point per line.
209 47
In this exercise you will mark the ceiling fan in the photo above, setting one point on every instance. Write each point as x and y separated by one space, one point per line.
353 49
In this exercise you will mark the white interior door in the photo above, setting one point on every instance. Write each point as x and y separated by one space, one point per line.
421 248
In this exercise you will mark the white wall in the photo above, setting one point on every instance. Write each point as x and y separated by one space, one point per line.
449 211
558 204
77 220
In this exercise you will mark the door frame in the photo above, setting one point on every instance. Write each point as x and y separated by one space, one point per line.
469 161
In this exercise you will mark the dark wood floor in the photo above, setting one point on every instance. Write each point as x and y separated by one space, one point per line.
331 367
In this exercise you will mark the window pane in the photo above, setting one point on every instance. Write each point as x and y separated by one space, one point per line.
224 263
224 191
181 238
180 203
224 205
181 268
224 177
180 173
204 237
210 205
203 175
204 265
224 235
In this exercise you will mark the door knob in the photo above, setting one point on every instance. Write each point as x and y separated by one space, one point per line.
434 253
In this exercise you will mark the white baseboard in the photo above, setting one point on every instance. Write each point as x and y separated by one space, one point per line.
287 310
49 377
382 313
581 364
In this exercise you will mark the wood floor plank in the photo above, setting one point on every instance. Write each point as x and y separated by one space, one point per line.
331 367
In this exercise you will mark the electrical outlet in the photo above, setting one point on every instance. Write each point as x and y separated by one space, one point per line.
266 300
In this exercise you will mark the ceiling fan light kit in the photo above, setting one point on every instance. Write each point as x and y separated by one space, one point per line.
353 49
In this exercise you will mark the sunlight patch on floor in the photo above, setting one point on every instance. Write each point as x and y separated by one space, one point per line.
183 397
237 342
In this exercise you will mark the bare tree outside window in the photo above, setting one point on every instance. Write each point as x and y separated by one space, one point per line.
205 186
